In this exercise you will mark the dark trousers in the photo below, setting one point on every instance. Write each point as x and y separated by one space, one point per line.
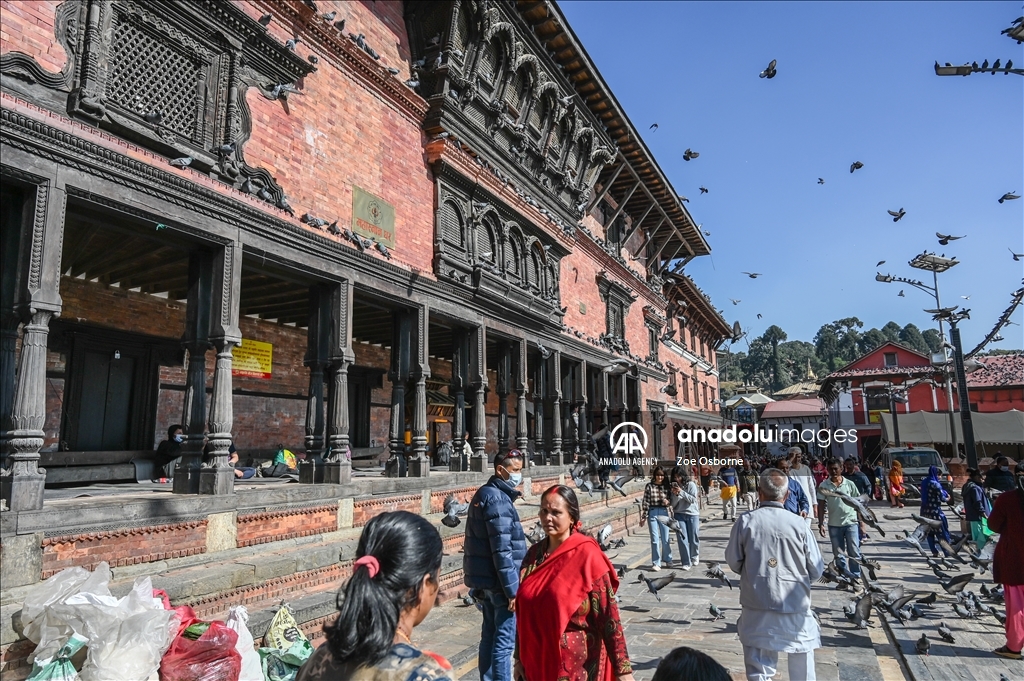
498 638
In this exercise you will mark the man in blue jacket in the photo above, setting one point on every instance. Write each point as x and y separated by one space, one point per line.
796 502
495 547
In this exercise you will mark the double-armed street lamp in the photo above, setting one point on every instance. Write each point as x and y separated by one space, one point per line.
968 69
953 317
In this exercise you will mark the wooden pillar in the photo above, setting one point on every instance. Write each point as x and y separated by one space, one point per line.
460 369
217 475
602 386
318 328
196 340
478 376
338 460
539 395
504 375
583 436
401 356
419 463
32 294
555 455
521 382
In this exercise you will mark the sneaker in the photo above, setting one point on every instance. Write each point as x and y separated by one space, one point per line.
1007 653
696 561
655 568
686 568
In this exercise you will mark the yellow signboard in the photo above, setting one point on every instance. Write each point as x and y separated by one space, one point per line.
875 415
253 358
372 217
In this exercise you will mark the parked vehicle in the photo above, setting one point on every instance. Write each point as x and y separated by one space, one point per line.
915 462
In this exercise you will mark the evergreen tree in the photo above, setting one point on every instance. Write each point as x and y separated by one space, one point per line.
933 339
871 340
912 338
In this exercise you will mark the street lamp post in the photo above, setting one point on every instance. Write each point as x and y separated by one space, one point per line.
966 420
968 69
934 264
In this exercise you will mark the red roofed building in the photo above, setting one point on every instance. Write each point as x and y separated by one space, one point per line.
998 386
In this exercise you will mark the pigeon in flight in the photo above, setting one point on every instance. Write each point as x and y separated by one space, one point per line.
944 239
752 275
703 190
618 482
821 180
1008 196
879 263
856 165
656 585
958 583
690 154
735 302
535 534
453 509
714 571
683 199
265 20
544 352
282 91
1016 256
758 315
897 215
769 72
654 126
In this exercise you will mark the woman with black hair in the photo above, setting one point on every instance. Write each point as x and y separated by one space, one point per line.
692 665
654 510
393 586
567 624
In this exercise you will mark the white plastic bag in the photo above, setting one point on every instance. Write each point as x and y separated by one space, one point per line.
238 620
41 624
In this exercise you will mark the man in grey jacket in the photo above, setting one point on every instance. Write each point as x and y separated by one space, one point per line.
777 558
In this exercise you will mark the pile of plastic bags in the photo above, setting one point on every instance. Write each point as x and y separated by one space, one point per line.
84 633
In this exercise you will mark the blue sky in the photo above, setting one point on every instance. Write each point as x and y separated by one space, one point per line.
855 82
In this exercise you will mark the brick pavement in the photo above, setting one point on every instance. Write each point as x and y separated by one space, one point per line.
653 628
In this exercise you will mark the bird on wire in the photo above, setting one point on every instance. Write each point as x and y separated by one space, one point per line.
714 571
944 239
656 585
856 165
897 215
452 510
703 189
821 180
752 275
769 72
1008 196
690 154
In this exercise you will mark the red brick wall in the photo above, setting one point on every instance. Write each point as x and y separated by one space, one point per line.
364 509
28 27
129 546
264 527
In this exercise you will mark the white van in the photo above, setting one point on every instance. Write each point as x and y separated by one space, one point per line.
915 462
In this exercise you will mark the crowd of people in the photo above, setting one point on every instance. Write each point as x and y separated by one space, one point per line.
549 611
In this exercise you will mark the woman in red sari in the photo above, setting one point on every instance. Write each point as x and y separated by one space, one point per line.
567 623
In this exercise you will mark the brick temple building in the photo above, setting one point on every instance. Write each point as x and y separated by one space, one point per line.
432 220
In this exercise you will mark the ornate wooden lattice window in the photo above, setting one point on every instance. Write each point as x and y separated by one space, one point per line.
451 224
460 37
617 298
489 65
486 241
533 271
513 258
653 341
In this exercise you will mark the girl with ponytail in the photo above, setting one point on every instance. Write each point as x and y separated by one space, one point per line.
393 586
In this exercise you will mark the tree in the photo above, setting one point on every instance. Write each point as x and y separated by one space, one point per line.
774 335
730 364
891 332
872 339
912 338
837 341
933 339
757 365
796 355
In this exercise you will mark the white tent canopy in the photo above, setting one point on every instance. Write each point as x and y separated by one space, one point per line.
1006 427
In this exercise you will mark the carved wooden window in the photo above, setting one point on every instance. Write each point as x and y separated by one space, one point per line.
652 342
485 241
514 91
539 113
451 224
616 319
461 35
684 383
533 270
556 144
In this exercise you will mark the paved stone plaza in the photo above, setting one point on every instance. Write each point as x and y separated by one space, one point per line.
847 654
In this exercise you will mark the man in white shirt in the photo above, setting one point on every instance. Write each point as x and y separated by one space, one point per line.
777 559
803 474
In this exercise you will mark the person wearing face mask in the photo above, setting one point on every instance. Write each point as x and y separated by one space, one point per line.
495 546
169 451
1007 519
1000 478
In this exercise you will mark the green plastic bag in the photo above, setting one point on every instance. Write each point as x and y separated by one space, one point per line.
288 648
59 667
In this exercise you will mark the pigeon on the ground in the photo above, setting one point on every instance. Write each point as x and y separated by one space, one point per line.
945 633
656 585
856 165
714 571
716 613
769 72
897 215
963 612
862 612
944 239
923 645
690 154
929 599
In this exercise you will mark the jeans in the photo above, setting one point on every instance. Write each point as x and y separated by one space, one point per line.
932 542
498 638
661 547
762 664
846 542
688 538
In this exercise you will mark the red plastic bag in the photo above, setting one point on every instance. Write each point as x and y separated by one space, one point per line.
211 657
